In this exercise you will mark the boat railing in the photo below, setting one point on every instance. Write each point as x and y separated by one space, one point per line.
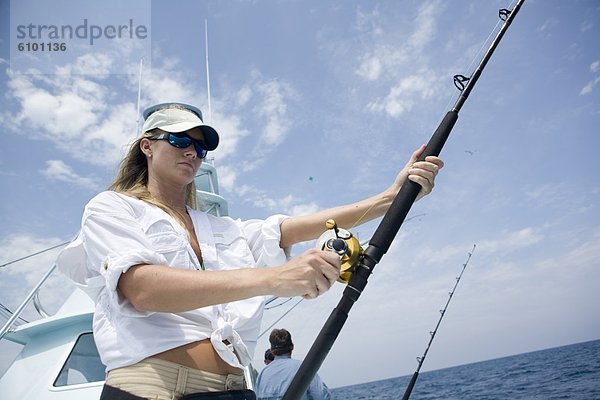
33 295
38 306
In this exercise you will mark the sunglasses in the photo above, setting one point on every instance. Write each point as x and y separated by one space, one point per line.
181 141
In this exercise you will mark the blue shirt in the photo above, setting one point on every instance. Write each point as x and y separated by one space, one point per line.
275 378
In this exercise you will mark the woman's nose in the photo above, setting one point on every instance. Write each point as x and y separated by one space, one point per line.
190 151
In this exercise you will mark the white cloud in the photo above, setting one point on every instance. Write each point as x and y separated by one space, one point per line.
510 241
163 85
76 113
244 95
58 170
370 68
386 58
292 206
390 61
550 194
273 109
402 97
492 248
548 24
586 256
303 209
93 64
231 130
525 282
227 178
587 89
289 204
259 111
586 26
369 22
79 114
425 25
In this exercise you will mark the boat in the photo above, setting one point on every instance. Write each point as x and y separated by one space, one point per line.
59 359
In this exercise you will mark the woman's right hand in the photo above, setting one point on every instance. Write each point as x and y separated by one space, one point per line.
160 288
308 275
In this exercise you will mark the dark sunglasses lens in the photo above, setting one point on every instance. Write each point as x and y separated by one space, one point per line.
180 141
200 151
183 141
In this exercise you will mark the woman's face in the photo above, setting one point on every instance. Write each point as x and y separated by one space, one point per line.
170 164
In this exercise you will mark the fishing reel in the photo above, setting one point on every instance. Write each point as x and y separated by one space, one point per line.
343 243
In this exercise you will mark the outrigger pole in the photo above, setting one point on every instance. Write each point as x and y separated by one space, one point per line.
421 359
388 228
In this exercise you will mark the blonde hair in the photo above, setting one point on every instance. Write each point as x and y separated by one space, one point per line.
132 180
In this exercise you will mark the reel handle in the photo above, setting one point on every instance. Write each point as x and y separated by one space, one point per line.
343 243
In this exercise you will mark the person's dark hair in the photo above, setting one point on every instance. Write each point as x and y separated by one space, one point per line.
269 355
281 342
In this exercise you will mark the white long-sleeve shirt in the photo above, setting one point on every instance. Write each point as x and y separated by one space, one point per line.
118 231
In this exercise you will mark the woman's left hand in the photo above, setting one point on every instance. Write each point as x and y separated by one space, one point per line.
421 172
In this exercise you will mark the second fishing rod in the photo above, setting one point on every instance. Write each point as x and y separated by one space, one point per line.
388 228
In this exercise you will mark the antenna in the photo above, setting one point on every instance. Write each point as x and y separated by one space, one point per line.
137 122
207 72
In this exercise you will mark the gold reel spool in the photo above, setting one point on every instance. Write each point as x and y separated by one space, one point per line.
343 243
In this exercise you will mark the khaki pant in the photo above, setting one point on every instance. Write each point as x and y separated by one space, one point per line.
158 379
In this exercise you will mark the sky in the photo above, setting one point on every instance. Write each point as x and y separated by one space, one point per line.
320 104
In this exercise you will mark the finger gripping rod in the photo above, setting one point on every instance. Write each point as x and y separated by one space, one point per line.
383 236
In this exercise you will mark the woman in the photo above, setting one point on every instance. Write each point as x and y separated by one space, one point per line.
178 294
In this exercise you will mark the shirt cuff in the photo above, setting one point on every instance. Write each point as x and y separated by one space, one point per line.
272 254
113 267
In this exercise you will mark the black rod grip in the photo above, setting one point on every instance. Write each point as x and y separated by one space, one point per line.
410 386
394 217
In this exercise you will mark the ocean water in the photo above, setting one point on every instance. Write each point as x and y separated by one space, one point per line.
568 372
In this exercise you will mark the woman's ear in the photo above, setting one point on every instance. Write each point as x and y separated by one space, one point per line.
146 147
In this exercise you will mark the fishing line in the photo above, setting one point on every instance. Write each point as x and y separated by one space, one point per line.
421 359
362 216
476 56
277 305
280 318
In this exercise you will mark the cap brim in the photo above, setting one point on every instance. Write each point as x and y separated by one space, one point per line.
211 137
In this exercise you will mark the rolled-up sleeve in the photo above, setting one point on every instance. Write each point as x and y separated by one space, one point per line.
263 238
114 241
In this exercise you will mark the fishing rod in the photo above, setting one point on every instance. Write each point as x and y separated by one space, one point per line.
386 231
421 359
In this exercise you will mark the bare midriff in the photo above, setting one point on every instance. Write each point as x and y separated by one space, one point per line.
199 355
